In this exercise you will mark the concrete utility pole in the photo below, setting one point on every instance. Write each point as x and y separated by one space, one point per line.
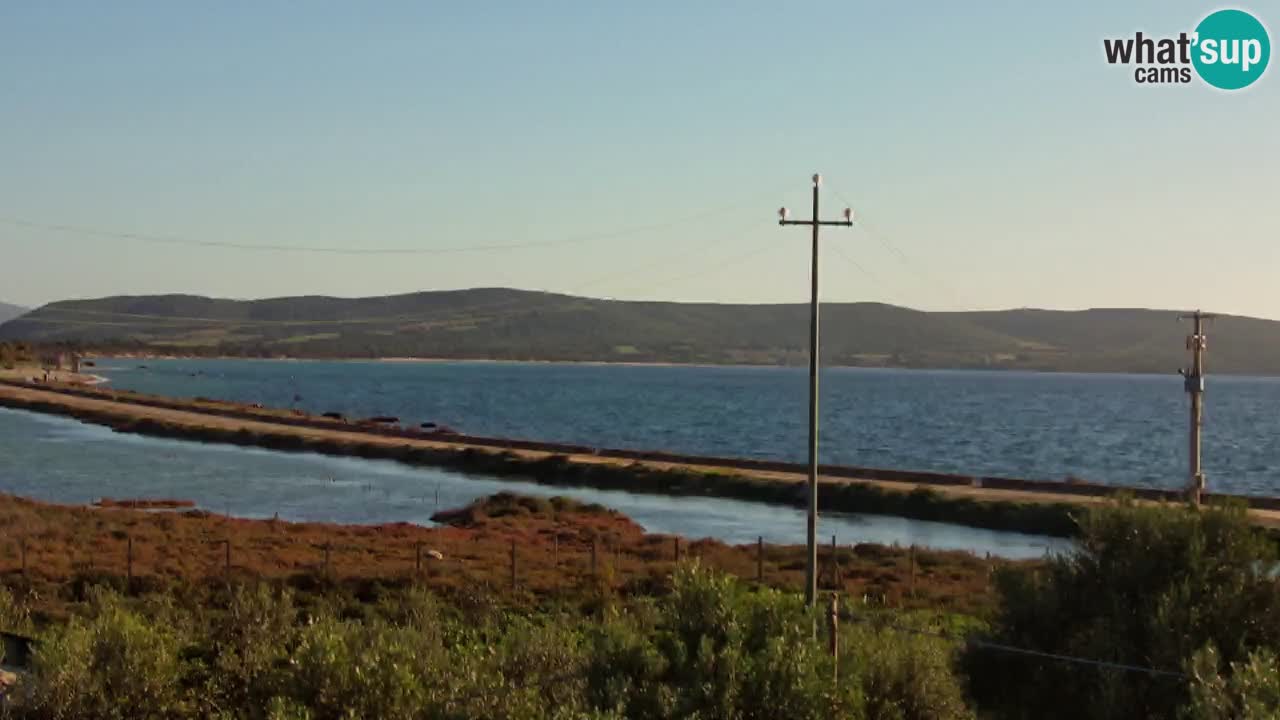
1194 384
811 566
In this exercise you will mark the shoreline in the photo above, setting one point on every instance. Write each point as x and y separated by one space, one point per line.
32 373
625 363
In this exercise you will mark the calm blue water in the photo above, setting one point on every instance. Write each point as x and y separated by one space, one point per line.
1118 429
62 460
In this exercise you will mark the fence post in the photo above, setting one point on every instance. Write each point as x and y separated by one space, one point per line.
593 558
555 551
227 558
912 560
760 559
676 542
835 570
833 625
23 544
513 564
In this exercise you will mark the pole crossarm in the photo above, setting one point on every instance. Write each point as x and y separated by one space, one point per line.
839 223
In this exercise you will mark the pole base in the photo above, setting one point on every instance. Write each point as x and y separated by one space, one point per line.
1195 491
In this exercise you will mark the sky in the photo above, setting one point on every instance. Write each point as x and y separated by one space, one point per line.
629 150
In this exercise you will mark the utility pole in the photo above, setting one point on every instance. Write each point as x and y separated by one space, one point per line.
1193 381
811 566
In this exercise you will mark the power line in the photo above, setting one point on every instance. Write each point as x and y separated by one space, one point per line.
336 250
730 262
856 265
1011 649
455 316
922 275
695 249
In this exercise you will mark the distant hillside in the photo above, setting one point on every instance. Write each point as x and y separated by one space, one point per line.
522 325
8 312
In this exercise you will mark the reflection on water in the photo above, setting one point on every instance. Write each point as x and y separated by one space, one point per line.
62 460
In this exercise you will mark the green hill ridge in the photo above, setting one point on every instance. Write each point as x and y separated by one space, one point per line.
505 324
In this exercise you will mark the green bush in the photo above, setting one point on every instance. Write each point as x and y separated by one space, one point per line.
1249 690
113 664
1149 586
904 676
14 616
711 647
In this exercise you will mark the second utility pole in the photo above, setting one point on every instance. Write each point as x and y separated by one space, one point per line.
811 565
1194 384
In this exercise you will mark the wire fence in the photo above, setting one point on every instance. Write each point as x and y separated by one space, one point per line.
563 563
546 559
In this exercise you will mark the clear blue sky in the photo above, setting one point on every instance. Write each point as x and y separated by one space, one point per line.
998 159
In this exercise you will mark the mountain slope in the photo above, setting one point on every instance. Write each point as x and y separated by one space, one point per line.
514 324
8 312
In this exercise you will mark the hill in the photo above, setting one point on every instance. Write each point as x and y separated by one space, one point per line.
523 325
8 312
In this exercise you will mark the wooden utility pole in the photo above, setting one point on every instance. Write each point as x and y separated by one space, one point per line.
811 566
1194 384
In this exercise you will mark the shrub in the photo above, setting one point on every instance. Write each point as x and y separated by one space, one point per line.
114 664
14 616
1148 586
1250 690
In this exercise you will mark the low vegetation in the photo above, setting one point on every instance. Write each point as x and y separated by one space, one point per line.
65 549
13 354
1163 612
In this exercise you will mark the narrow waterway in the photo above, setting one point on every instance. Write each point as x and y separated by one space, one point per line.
63 460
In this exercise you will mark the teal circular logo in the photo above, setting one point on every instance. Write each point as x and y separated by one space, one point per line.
1231 49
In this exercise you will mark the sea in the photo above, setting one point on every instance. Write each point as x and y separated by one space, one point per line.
1116 429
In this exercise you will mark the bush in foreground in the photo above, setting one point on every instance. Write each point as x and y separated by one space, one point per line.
1150 586
710 648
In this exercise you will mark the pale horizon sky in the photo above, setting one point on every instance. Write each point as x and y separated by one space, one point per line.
995 156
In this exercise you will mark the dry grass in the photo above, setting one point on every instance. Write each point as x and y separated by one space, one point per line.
66 547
